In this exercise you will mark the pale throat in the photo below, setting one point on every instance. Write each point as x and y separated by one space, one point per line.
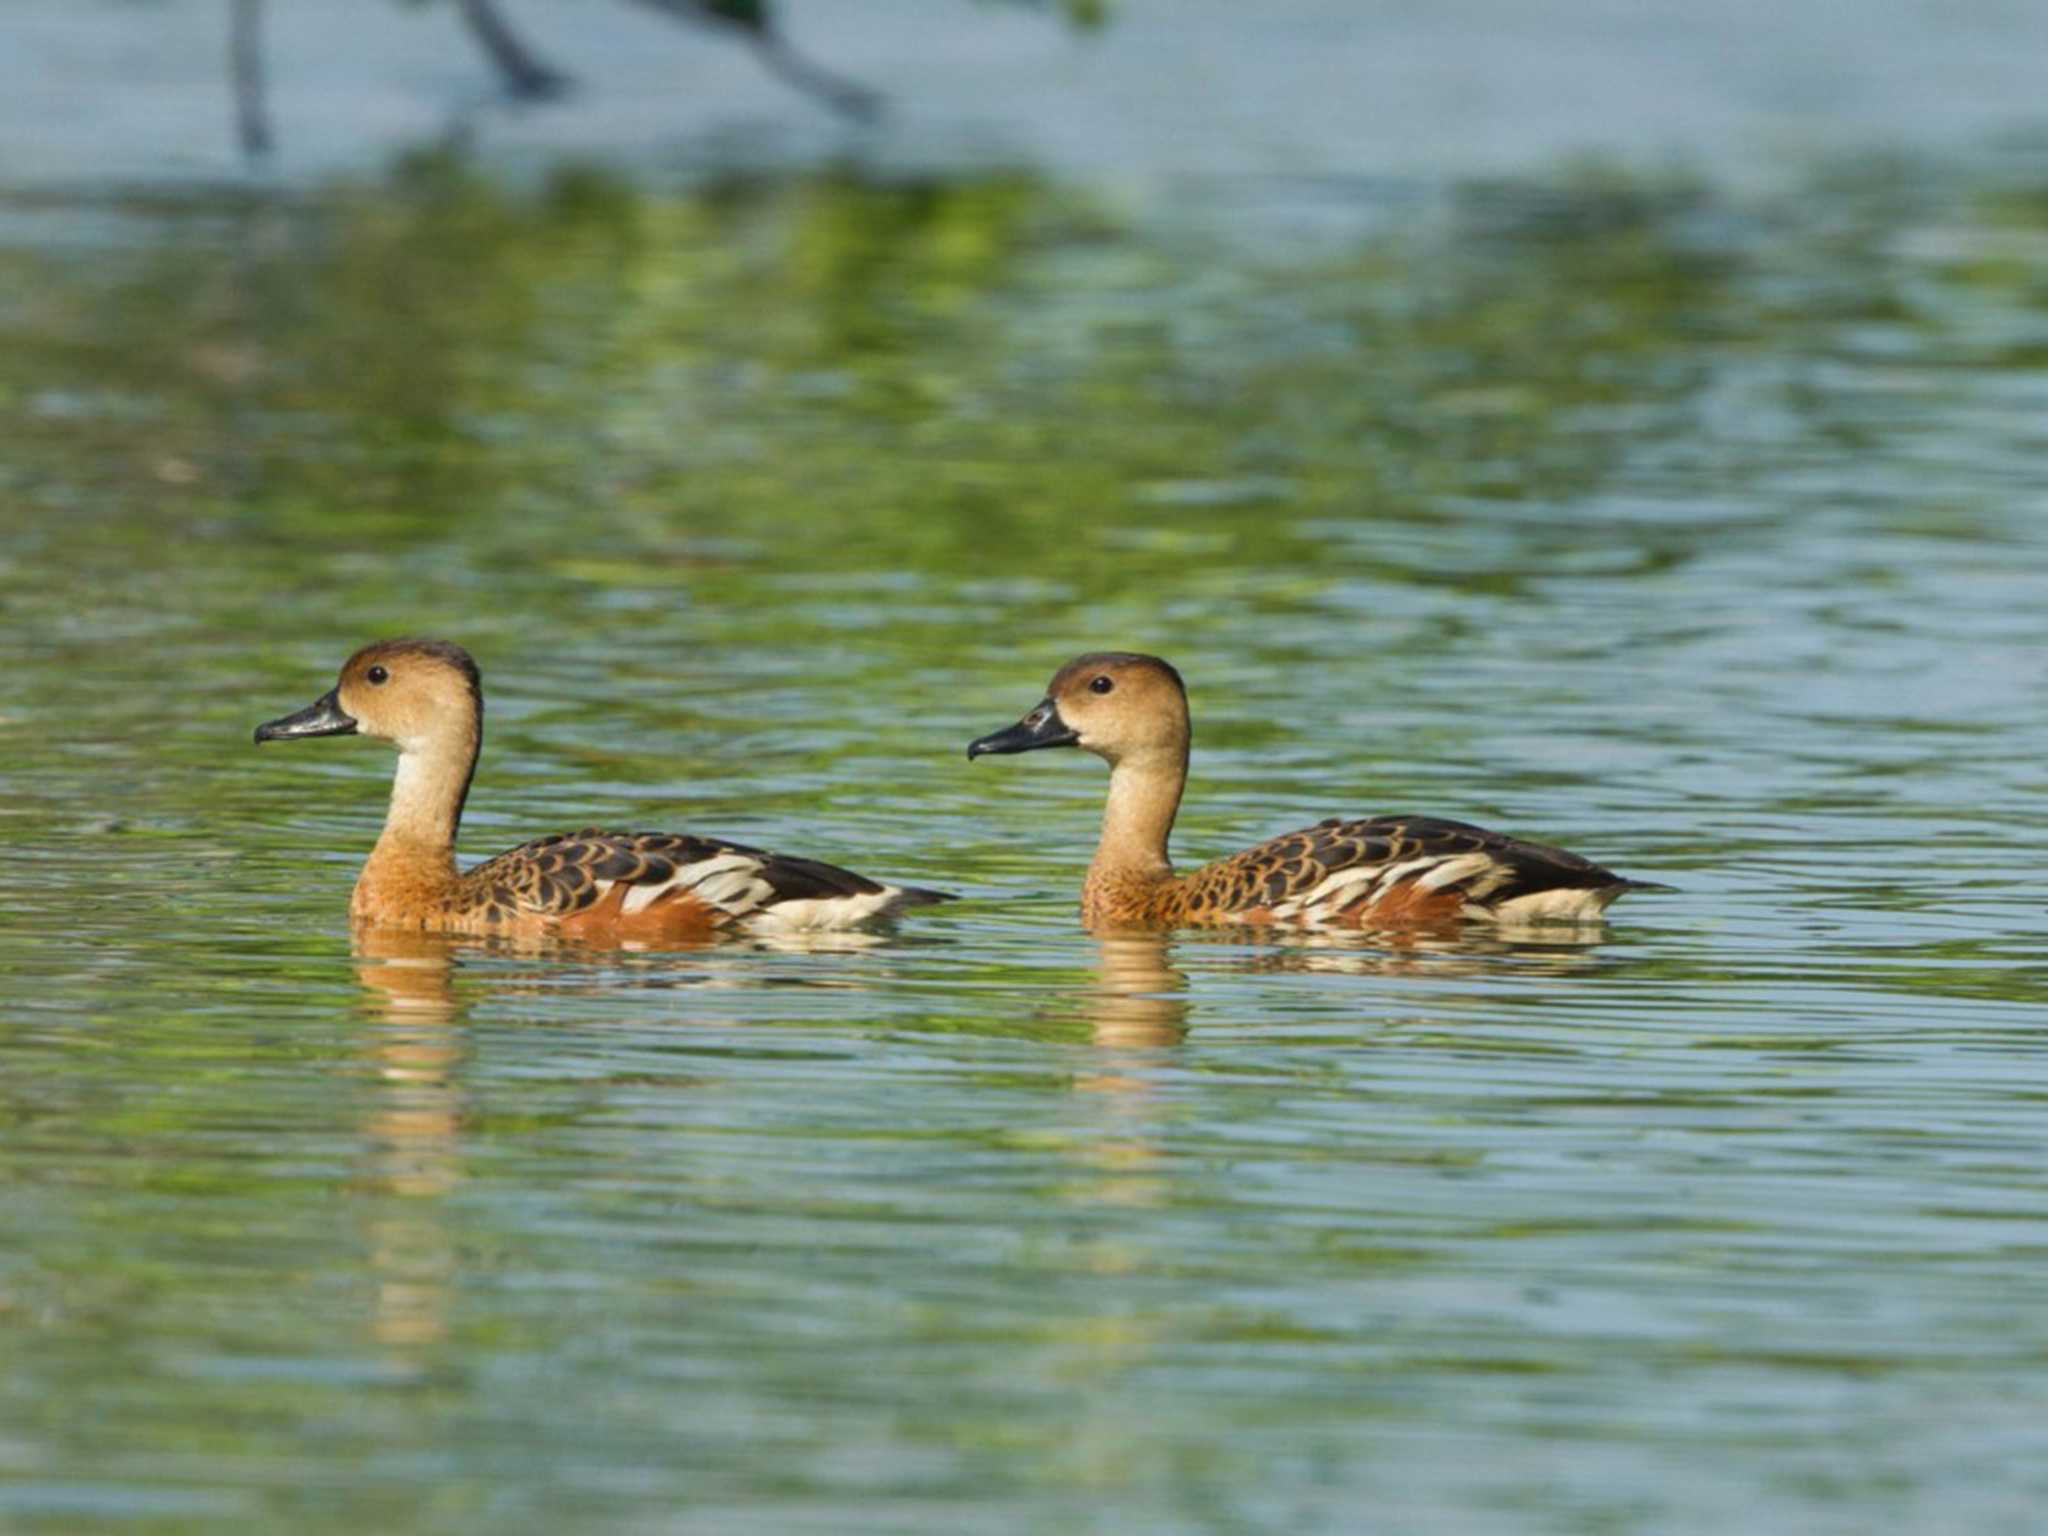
1137 818
427 793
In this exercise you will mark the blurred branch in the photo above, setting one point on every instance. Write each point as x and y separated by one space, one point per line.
245 68
525 75
749 21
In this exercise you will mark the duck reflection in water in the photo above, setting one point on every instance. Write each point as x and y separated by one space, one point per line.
416 1050
1509 949
412 1135
1139 999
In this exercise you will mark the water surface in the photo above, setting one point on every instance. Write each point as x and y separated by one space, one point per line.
1699 530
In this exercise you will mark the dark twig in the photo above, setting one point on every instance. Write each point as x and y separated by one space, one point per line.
245 67
528 77
836 91
525 75
751 24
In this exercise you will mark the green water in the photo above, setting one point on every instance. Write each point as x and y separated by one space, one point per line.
1702 533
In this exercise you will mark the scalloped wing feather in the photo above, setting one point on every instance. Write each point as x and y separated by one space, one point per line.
646 878
1399 868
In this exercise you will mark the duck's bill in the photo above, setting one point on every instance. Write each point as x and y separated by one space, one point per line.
323 717
1043 727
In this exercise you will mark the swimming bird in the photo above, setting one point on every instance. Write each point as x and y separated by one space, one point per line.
1131 710
426 697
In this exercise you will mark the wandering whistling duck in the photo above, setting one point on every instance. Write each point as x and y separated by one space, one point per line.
426 697
1385 872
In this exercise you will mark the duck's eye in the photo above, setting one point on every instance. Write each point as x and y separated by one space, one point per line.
1101 684
378 675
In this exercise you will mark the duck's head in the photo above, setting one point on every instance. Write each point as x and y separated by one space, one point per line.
1116 704
405 691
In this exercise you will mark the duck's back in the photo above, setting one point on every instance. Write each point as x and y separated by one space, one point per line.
671 883
1395 870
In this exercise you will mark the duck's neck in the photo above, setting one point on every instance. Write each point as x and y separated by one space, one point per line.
1131 862
413 863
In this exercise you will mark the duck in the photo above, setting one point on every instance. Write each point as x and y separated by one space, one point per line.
426 698
1379 872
